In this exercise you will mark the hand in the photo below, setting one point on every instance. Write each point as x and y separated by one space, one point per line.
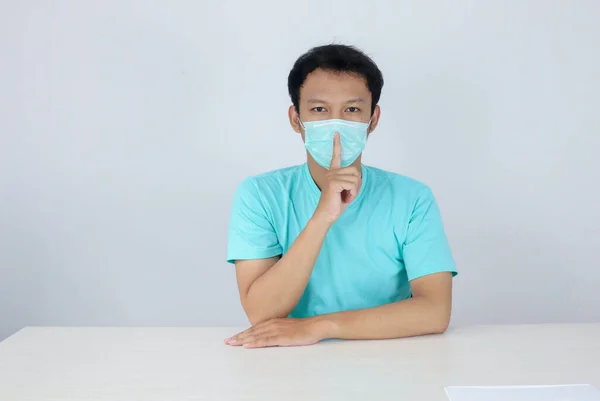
342 186
281 333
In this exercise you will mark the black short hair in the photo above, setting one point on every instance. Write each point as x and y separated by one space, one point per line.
339 58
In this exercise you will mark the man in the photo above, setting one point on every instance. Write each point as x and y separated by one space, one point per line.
334 248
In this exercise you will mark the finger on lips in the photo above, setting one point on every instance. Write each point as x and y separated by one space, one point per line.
337 153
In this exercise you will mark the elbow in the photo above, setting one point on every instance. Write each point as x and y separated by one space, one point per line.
254 312
257 313
439 318
440 327
256 317
440 323
256 320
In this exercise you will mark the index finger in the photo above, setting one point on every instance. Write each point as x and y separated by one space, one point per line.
336 159
236 338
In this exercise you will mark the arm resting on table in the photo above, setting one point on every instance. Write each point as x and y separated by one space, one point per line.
427 312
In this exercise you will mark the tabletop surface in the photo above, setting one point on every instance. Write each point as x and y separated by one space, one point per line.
171 364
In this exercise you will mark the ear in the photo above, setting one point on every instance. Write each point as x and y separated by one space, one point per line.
294 119
374 119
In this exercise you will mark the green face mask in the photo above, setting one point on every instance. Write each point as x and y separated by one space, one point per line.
318 140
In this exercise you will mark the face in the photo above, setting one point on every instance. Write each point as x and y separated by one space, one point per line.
332 95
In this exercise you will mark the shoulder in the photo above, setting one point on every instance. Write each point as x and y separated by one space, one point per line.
400 185
277 177
273 182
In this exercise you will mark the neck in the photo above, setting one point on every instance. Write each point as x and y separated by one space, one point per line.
318 172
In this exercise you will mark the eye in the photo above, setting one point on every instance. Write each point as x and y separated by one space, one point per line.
318 109
353 109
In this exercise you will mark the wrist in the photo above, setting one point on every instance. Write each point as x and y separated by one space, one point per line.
326 326
320 221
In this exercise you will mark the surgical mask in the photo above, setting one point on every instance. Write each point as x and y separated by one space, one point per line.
319 135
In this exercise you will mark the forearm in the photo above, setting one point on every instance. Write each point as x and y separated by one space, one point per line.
276 292
411 317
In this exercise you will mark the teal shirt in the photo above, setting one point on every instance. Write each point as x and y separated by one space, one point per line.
390 234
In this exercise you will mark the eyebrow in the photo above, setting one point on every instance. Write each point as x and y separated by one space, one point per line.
355 100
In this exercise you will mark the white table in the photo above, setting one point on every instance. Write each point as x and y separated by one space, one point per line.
172 364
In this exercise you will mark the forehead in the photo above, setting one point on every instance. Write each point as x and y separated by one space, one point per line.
334 86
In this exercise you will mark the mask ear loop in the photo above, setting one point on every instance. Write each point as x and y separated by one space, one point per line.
302 125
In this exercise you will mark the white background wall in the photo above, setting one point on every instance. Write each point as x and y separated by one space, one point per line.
126 125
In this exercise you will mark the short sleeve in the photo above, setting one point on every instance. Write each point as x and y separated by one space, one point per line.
251 233
426 249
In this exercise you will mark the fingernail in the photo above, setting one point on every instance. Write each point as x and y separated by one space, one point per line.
232 342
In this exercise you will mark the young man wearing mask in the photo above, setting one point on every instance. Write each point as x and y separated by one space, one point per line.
333 248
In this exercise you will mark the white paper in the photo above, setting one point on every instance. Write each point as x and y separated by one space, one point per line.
581 392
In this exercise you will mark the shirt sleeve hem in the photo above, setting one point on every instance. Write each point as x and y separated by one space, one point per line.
429 272
252 255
